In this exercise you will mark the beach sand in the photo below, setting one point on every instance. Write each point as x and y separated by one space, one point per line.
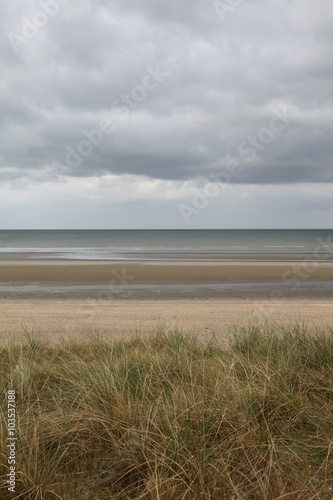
162 272
54 319
62 313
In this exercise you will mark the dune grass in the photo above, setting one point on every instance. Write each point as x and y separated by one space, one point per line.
165 416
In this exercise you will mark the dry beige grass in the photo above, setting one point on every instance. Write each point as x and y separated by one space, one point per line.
165 416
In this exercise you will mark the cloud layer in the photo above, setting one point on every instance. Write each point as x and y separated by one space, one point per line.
125 94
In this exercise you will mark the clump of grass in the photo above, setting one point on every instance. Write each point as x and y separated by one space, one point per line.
166 416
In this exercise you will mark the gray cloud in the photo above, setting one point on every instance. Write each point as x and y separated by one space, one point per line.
225 82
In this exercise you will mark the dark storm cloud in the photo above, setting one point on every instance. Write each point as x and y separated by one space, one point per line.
222 84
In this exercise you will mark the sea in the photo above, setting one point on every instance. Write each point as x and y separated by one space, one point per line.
155 244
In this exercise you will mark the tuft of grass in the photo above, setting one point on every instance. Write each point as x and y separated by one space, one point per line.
165 416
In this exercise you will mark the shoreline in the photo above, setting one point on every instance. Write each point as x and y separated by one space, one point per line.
269 291
163 256
159 280
120 298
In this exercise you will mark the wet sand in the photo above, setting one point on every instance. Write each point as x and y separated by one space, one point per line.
305 291
162 272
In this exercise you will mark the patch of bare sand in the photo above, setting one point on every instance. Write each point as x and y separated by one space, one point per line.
54 319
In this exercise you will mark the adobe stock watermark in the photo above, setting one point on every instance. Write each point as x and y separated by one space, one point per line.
299 273
249 150
223 8
11 440
123 105
31 27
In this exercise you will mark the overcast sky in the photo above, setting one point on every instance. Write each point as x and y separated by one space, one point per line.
166 114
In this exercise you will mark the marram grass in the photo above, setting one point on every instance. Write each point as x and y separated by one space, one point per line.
165 416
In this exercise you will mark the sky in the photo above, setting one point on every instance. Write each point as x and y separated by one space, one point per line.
179 114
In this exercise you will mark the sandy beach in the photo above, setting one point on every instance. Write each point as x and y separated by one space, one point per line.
253 293
164 280
54 319
162 272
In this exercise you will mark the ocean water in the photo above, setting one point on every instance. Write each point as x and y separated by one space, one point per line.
217 244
